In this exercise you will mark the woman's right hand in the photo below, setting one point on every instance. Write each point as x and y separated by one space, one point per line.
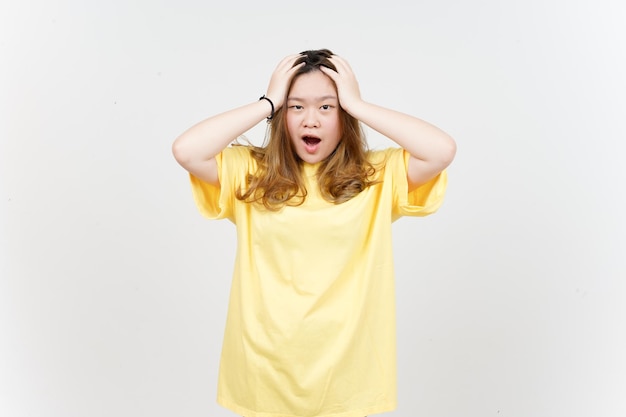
279 83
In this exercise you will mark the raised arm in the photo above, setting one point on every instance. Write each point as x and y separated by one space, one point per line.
196 148
431 149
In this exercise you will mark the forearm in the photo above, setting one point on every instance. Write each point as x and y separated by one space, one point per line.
419 138
204 140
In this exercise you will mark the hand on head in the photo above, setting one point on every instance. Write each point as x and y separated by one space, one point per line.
347 86
334 66
281 78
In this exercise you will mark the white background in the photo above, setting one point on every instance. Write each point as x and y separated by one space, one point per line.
113 288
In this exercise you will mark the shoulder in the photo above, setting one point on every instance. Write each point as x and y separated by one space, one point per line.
236 151
381 157
235 163
236 157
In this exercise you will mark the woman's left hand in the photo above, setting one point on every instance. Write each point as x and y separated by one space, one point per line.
345 80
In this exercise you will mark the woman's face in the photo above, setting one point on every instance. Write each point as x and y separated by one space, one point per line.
313 116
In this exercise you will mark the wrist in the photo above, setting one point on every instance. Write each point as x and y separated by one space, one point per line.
271 103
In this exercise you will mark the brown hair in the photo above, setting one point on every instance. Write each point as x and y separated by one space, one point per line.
278 180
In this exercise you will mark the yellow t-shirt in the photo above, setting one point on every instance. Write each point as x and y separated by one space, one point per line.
311 318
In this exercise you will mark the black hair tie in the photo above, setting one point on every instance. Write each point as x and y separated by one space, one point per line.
271 104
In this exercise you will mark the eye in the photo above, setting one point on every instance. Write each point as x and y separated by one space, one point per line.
326 107
296 107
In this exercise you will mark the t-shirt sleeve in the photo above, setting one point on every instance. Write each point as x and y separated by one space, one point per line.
422 201
217 202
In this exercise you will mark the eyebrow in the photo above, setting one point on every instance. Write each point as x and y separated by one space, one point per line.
322 98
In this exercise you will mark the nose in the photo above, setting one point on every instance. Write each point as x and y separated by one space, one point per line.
311 118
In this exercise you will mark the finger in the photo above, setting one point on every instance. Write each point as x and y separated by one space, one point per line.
340 63
327 70
287 62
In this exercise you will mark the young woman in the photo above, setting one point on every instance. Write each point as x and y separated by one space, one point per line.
311 324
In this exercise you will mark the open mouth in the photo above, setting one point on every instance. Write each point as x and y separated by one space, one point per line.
311 140
311 143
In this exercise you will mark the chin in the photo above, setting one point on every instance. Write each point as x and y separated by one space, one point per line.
311 159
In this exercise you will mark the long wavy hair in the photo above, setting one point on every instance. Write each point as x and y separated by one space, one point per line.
278 180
